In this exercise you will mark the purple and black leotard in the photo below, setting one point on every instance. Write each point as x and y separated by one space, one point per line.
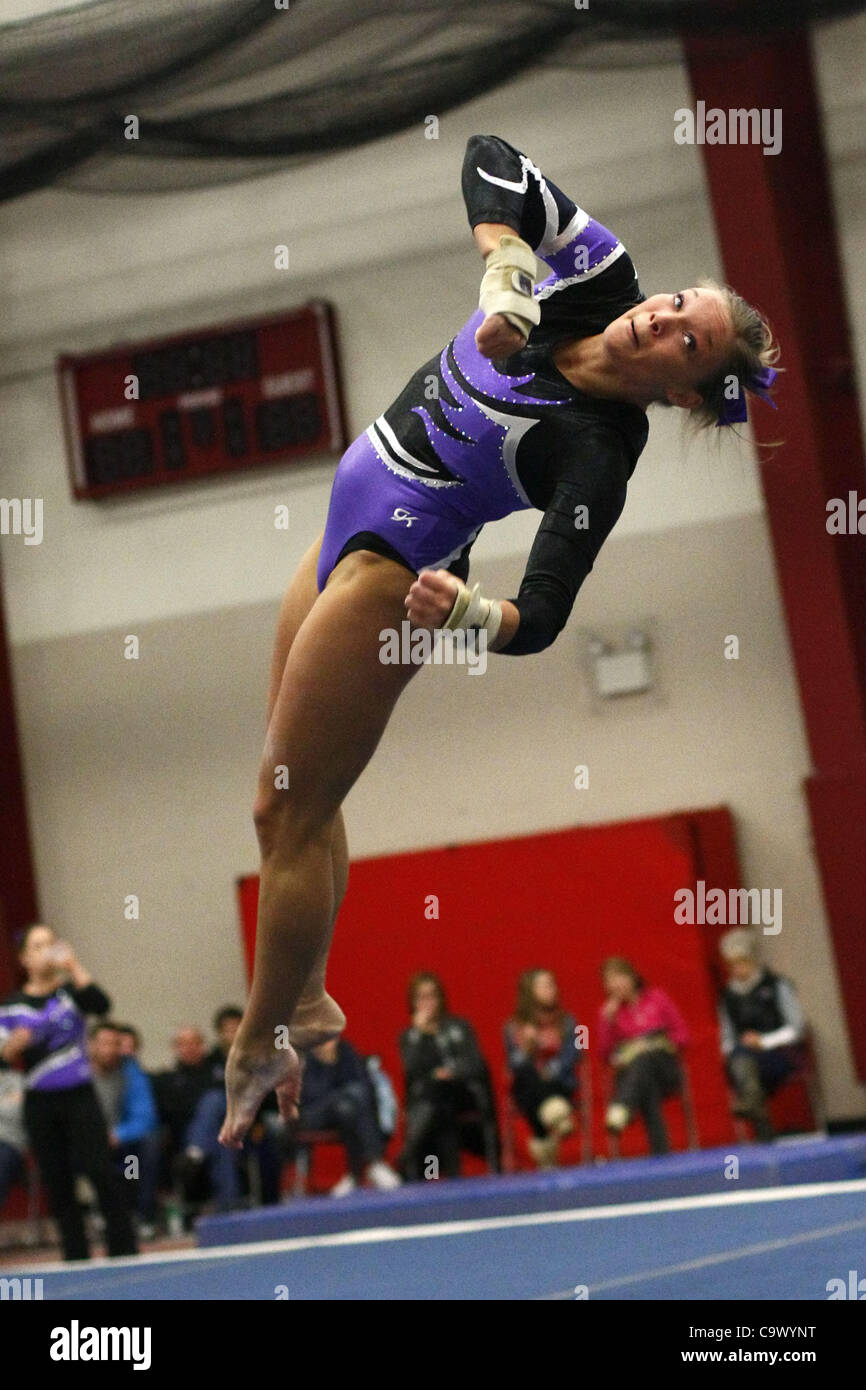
470 440
57 1056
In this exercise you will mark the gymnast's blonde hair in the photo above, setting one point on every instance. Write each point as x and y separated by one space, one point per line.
753 347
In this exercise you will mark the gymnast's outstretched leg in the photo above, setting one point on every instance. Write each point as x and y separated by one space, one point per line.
318 1017
334 700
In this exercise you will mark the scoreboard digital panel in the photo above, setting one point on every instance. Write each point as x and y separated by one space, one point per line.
218 400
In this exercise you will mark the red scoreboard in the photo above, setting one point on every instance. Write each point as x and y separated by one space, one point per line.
219 400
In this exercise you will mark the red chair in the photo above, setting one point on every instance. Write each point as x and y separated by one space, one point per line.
512 1118
683 1097
27 1200
304 1143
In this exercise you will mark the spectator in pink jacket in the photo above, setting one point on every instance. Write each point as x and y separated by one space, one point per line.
640 1034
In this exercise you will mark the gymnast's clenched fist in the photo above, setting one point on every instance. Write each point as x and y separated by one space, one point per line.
431 598
496 337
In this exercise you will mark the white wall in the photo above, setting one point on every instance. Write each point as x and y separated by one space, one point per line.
194 548
140 774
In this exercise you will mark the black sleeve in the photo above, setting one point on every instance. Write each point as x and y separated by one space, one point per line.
91 999
536 209
586 504
350 1063
466 1061
417 1059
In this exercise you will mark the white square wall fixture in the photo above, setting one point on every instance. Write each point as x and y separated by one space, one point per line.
622 673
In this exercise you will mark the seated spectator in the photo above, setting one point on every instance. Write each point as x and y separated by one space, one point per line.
336 1093
387 1105
13 1137
226 1023
640 1031
445 1076
761 1023
130 1040
178 1091
204 1159
126 1097
540 1047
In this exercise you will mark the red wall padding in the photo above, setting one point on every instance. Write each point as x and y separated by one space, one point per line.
563 900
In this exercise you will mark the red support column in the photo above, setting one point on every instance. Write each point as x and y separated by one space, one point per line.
18 904
776 228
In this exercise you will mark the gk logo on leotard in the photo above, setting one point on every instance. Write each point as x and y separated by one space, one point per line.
400 514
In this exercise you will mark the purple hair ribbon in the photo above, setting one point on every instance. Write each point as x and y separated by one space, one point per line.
734 412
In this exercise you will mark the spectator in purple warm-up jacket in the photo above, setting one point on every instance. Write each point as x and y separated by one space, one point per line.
42 1028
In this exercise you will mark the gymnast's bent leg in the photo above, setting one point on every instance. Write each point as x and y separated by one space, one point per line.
333 704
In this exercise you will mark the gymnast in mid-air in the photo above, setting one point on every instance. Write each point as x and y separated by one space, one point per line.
539 401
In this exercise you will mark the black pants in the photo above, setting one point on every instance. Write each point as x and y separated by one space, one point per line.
642 1085
755 1074
12 1169
349 1109
432 1130
530 1091
68 1137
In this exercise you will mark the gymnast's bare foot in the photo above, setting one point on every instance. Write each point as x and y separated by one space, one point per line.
315 1022
250 1075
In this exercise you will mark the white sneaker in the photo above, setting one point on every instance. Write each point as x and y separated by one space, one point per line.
344 1186
556 1115
617 1117
545 1152
383 1177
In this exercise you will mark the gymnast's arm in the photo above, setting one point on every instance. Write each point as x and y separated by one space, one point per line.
506 195
495 337
503 190
586 504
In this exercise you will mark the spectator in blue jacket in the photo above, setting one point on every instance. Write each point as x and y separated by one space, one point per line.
541 1051
130 1040
337 1093
205 1163
126 1096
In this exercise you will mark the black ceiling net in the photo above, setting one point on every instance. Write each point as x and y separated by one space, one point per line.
230 89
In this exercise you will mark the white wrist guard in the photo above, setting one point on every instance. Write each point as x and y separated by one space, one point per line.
508 284
471 610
